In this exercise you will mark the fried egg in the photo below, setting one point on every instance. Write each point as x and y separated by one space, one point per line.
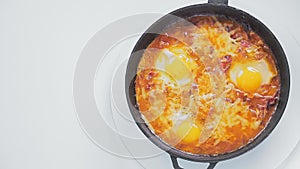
176 63
251 75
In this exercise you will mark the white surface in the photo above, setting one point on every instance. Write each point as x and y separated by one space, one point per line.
40 42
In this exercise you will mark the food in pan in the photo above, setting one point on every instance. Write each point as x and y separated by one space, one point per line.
208 86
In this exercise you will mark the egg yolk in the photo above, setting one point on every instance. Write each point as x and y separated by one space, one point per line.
249 79
177 69
177 63
188 132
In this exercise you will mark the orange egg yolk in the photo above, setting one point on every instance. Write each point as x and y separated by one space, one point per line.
188 132
249 79
178 69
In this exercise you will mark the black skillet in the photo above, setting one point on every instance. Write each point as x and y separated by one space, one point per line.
213 7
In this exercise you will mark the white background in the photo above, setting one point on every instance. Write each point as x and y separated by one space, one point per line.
40 42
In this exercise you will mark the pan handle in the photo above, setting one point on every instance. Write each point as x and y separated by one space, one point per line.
224 2
176 165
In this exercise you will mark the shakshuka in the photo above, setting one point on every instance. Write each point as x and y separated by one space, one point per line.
207 85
